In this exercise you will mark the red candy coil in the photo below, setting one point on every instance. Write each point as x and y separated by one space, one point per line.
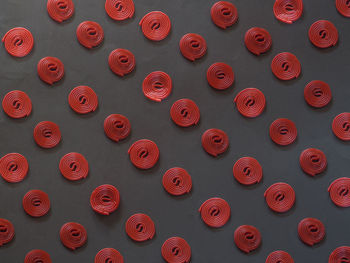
155 25
215 212
7 231
120 9
279 256
117 127
247 171
224 14
193 46
37 256
74 166
50 70
121 62
258 40
247 238
109 255
311 231
83 99
323 34
313 161
140 227
90 34
144 154
341 126
18 42
288 11
60 10
185 113
220 76
157 86
340 255
339 191
250 102
36 203
343 7
317 94
47 134
73 235
13 167
176 250
177 181
286 66
17 104
215 142
280 197
105 199
283 132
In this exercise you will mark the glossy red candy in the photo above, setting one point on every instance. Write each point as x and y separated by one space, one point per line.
250 102
224 14
340 255
247 238
193 46
36 203
279 256
323 34
343 7
144 154
109 255
283 132
177 181
247 171
13 167
47 134
83 99
176 250
215 142
18 42
311 231
7 231
258 40
341 126
60 10
288 11
140 227
215 212
286 66
90 34
280 197
317 94
50 70
185 113
73 235
313 161
157 86
105 199
220 76
37 256
117 127
74 166
121 62
155 25
17 104
339 191
120 9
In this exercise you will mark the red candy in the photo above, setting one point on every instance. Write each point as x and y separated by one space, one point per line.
60 10
343 7
36 203
120 9
339 191
144 154
250 102
74 166
220 76
13 167
288 11
193 46
47 134
121 62
7 231
17 104
176 250
83 99
37 256
177 181
155 25
157 86
341 126
105 199
317 94
73 235
18 42
185 113
279 257
215 142
215 212
280 197
258 40
323 34
313 161
140 227
109 255
311 231
247 171
286 66
340 255
224 14
283 132
117 127
90 34
50 70
247 238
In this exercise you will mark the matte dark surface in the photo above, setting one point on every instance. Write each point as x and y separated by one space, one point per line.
142 191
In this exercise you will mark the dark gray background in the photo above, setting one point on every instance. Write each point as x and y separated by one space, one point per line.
142 191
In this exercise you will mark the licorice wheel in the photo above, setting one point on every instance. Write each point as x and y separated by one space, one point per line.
105 199
73 166
109 255
340 255
7 231
193 46
17 104
224 14
157 86
120 9
343 7
280 197
215 212
13 167
144 154
47 134
286 66
258 40
83 99
18 42
50 70
311 231
220 76
73 235
176 250
36 203
185 113
60 10
283 131
279 256
317 94
140 227
155 25
215 142
250 102
339 191
313 161
341 126
90 34
323 34
247 171
117 127
288 11
121 62
177 181
37 256
247 238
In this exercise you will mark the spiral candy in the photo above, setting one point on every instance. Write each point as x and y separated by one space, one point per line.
323 34
313 161
83 99
279 256
250 102
317 94
37 256
340 255
215 142
155 25
288 11
283 132
120 9
341 126
140 227
105 199
90 34
13 167
74 166
17 104
339 191
220 76
247 171
215 212
47 134
36 203
18 42
117 127
176 250
177 181
343 7
73 235
50 70
7 231
157 86
247 238
193 46
311 231
280 197
185 113
121 62
224 14
144 154
60 10
258 40
109 255
286 66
